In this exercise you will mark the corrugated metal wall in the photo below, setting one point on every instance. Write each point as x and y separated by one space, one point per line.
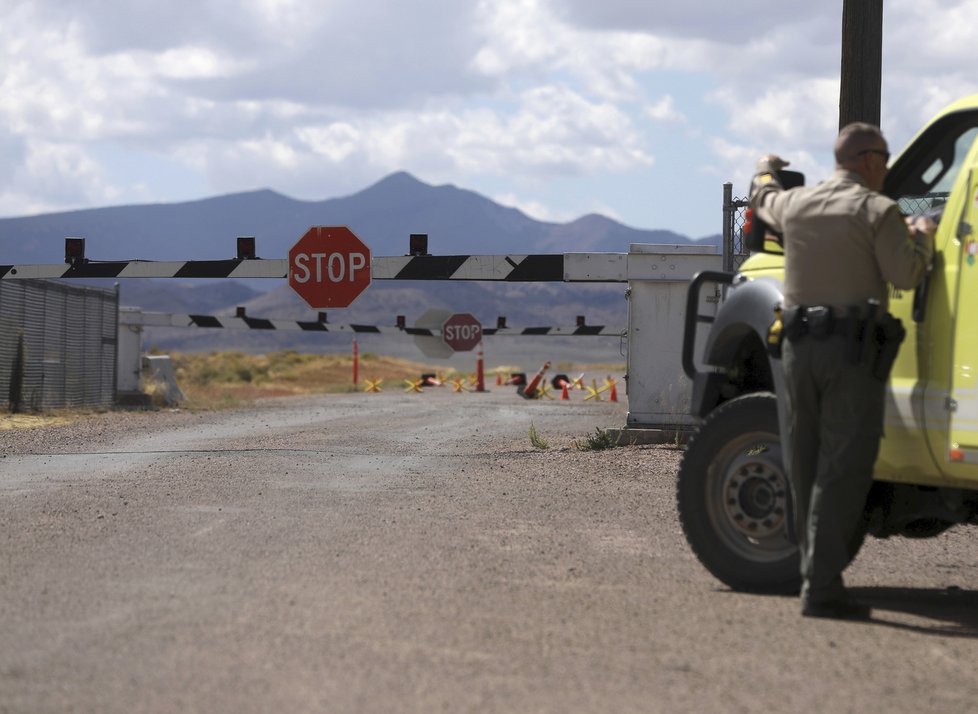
68 334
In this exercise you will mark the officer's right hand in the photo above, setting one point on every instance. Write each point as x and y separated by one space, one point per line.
922 224
769 163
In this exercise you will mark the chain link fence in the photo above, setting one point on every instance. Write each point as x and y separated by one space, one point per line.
931 204
734 216
57 345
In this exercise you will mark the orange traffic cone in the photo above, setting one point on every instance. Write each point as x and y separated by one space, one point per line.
499 379
564 396
530 390
613 397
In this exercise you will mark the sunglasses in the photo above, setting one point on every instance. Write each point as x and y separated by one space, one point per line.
880 152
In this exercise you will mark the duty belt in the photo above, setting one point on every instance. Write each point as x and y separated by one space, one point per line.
821 322
872 338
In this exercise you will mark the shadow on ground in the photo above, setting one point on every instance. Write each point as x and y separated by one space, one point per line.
953 611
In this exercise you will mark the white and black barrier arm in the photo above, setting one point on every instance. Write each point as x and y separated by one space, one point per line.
245 322
566 267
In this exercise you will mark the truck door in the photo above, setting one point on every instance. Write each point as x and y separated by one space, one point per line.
962 255
932 407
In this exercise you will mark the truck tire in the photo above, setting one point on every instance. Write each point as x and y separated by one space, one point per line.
733 497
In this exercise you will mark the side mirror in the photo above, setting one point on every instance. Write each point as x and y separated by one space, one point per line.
755 230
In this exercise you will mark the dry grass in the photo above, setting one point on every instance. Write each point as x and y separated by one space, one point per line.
219 380
31 421
214 380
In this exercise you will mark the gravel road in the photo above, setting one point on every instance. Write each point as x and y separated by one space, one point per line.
413 553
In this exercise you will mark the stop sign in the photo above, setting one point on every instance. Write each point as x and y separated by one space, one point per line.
329 266
461 332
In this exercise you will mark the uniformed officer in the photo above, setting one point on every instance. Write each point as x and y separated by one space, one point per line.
843 242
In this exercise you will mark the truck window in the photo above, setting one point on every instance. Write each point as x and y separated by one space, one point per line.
924 174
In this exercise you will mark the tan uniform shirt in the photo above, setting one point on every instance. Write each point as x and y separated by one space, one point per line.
843 242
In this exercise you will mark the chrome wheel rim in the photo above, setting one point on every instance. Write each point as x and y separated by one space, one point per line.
748 498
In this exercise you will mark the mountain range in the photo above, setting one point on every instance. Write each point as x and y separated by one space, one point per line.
383 216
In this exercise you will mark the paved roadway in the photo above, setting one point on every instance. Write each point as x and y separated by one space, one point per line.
395 552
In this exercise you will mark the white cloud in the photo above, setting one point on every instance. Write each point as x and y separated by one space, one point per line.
190 62
548 131
50 177
732 22
665 111
335 142
806 113
535 209
525 39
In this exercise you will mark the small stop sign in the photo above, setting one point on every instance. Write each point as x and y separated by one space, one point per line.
462 331
329 266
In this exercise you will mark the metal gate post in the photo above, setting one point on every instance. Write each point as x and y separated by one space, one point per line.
728 232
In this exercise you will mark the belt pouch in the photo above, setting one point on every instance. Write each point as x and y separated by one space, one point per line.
820 321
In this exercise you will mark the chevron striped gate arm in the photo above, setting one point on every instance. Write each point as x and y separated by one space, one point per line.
557 267
234 322
229 322
150 269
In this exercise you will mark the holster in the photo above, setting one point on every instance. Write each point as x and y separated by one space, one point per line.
793 319
889 334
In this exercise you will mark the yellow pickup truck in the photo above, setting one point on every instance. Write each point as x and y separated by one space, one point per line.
733 494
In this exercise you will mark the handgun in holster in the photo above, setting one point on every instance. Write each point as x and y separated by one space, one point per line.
854 335
890 333
869 351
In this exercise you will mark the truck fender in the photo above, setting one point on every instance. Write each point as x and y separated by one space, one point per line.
745 314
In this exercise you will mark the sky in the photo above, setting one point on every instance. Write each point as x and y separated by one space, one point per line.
635 109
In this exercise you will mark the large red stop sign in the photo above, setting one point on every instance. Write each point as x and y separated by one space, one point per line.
329 266
462 331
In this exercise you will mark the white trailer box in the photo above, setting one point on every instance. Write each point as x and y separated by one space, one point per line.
658 278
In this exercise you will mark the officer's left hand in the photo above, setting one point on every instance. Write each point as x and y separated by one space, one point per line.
769 163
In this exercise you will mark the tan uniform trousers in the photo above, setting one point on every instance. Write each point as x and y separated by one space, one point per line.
834 413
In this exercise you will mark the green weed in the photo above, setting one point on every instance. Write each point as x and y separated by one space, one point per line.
600 439
536 440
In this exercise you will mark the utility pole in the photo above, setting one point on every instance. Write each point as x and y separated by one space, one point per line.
862 61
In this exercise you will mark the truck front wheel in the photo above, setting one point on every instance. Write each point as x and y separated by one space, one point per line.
734 498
